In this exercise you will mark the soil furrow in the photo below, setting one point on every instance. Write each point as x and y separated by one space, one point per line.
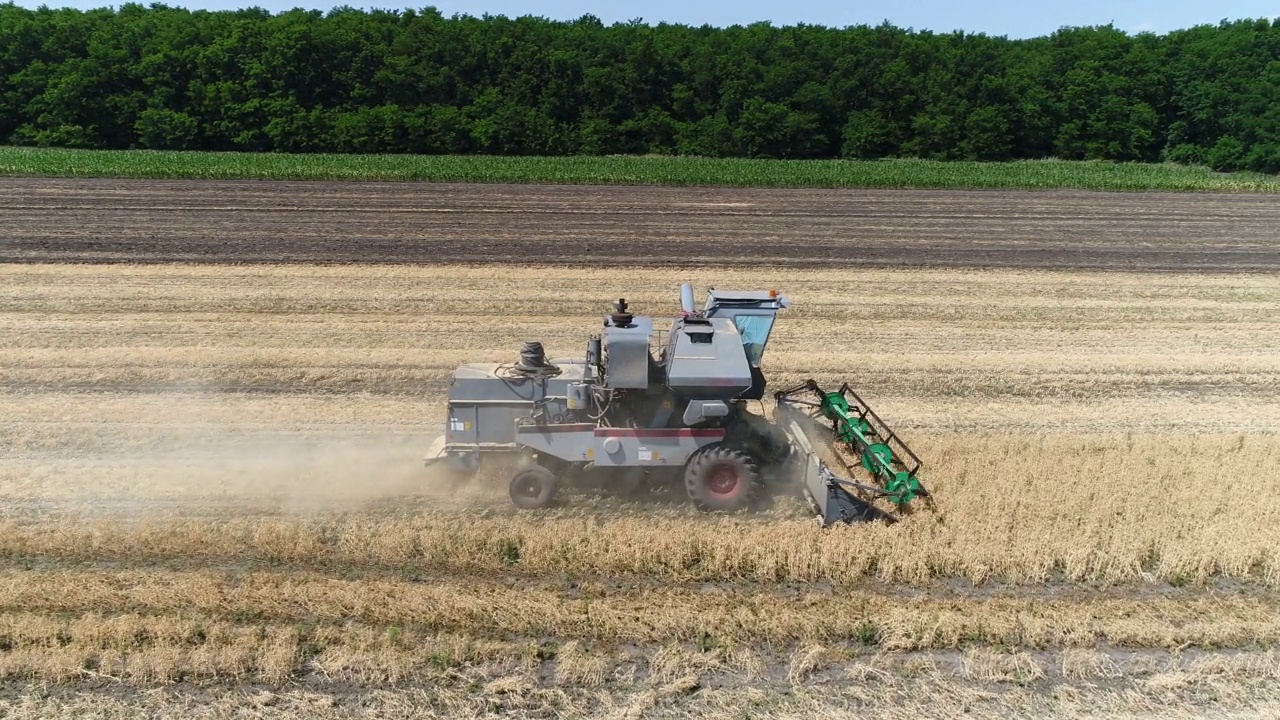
264 222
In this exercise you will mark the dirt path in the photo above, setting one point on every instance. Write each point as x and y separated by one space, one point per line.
48 220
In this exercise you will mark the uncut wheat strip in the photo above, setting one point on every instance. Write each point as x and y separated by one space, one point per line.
496 610
1062 521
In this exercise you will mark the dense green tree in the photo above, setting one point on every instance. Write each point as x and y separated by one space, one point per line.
416 81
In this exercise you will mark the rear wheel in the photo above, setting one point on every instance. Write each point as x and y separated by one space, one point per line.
533 487
721 479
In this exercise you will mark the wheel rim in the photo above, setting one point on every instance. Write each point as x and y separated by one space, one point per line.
527 487
722 480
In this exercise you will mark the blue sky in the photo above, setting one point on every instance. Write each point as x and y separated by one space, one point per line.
1024 18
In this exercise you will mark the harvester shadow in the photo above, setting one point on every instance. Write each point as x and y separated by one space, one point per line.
487 492
773 499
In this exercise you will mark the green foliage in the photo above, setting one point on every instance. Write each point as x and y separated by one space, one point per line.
440 660
867 633
351 81
510 551
627 169
162 129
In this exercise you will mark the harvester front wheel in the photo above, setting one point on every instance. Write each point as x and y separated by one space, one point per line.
721 479
533 487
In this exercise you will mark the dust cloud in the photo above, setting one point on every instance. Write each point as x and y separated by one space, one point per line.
188 455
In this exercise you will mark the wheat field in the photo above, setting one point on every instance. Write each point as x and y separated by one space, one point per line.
214 506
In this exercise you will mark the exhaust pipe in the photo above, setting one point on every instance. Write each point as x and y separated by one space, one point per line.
686 299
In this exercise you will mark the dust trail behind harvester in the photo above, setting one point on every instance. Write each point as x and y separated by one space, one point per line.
197 453
181 457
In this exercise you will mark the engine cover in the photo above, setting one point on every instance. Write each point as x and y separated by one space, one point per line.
708 360
626 353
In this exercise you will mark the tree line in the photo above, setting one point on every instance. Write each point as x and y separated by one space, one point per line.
416 81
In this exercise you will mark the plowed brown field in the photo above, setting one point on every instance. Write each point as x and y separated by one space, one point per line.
212 505
618 227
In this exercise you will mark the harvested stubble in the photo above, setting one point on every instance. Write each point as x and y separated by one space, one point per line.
1152 350
1080 428
1123 432
471 620
516 696
340 655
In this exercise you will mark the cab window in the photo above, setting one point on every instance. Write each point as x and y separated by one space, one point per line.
755 334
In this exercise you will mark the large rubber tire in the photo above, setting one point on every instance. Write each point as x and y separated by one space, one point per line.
533 487
720 479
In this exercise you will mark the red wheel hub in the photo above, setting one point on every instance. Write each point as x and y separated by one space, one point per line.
722 480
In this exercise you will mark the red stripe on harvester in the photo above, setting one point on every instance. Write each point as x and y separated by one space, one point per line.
576 427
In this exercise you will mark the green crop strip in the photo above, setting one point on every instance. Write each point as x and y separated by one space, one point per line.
629 170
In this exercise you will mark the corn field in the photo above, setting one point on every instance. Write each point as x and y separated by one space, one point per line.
630 170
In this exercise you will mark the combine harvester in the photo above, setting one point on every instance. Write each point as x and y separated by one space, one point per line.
672 405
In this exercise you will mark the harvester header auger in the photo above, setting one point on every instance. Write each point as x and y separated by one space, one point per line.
860 433
646 406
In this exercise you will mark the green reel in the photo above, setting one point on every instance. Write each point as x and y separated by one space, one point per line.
853 430
877 456
903 488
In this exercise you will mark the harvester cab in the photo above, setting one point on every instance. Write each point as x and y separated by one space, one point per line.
752 314
649 406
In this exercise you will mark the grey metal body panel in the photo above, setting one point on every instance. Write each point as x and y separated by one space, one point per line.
435 451
715 297
617 447
626 352
824 490
701 410
707 360
812 481
485 401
